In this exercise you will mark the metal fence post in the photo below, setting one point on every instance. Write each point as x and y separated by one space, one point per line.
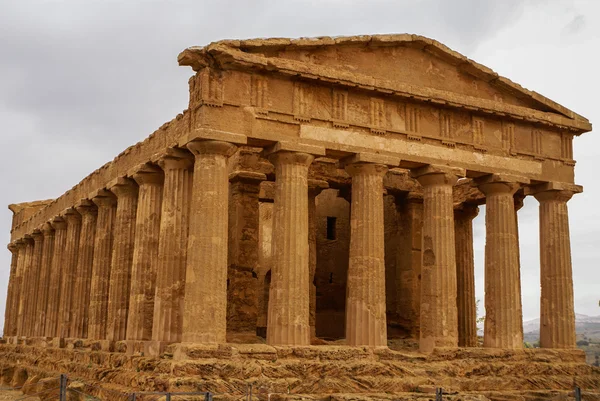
438 394
168 397
63 388
208 396
577 394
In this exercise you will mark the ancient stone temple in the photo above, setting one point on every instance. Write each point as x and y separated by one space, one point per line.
305 225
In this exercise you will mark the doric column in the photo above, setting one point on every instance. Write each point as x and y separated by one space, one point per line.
126 191
33 279
172 246
55 279
242 292
557 314
101 267
45 273
503 327
314 189
438 271
408 259
24 262
83 272
365 291
69 273
145 254
288 316
205 307
12 291
465 275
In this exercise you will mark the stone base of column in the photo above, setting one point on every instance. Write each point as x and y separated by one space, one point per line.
57 342
185 351
155 348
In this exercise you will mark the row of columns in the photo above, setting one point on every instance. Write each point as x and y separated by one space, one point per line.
147 258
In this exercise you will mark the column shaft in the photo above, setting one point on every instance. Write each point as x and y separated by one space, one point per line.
26 269
122 258
465 275
101 266
145 254
11 292
314 189
365 294
288 316
503 313
55 278
172 250
69 273
438 284
557 313
33 280
81 301
45 273
205 307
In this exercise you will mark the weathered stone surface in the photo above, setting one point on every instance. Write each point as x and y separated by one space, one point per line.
145 254
44 280
101 267
68 273
205 306
439 319
56 279
288 315
465 275
126 191
172 247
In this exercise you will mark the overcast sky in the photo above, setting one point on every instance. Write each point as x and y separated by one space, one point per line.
82 80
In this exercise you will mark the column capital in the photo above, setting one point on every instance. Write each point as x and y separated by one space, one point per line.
123 187
316 186
103 198
199 147
288 149
467 211
27 239
554 191
432 174
47 229
500 183
147 173
370 158
361 168
174 158
12 247
248 177
58 223
37 235
86 206
72 216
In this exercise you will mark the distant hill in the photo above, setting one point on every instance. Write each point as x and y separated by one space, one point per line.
588 334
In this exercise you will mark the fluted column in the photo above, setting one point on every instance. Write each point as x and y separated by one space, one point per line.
12 291
45 273
439 316
557 313
126 191
288 316
55 280
205 306
465 275
172 247
314 189
365 291
145 253
101 266
33 278
83 272
503 327
242 291
69 273
27 249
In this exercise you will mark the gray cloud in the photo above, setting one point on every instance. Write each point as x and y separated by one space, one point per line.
81 81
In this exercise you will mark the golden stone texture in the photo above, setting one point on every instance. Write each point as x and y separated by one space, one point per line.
308 197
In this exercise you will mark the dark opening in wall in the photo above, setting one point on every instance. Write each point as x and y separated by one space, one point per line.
331 227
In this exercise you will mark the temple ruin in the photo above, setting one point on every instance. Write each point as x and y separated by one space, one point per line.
316 198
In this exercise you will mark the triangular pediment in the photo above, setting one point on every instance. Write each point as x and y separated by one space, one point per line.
412 62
